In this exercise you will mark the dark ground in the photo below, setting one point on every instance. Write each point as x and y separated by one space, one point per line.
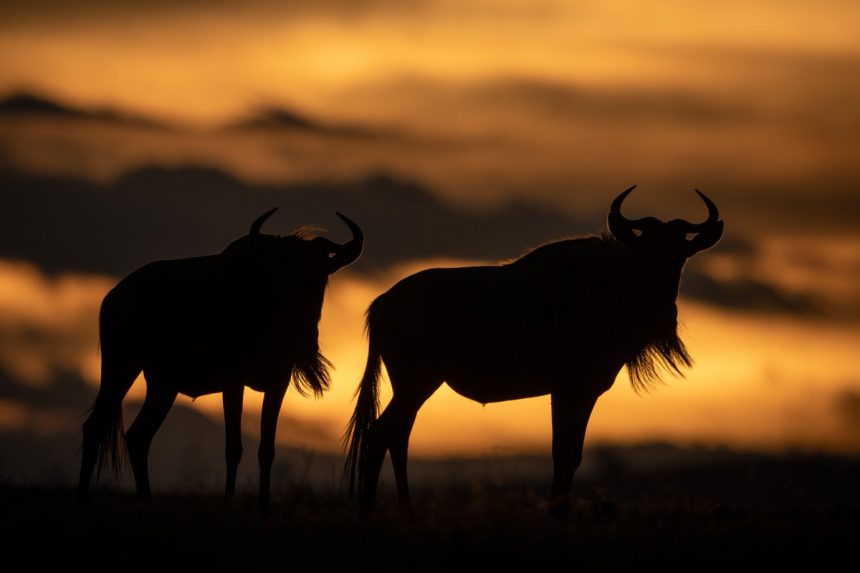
737 511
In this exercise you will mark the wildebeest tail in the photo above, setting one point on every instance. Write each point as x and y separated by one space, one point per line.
366 411
105 428
104 439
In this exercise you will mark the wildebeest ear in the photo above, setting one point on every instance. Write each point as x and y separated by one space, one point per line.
706 239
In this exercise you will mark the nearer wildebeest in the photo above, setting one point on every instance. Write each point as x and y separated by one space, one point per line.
247 316
562 320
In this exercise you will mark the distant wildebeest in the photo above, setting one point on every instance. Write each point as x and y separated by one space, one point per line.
561 320
245 317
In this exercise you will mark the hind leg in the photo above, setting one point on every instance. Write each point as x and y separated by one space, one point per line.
104 424
403 419
372 463
391 431
139 436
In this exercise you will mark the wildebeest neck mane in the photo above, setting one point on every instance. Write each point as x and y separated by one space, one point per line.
311 372
664 351
661 349
302 305
654 345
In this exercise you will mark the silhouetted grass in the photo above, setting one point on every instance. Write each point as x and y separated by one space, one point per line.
801 511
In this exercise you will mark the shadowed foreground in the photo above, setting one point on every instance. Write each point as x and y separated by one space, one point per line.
801 510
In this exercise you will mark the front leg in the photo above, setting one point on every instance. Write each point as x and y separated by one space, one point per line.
272 401
232 399
569 419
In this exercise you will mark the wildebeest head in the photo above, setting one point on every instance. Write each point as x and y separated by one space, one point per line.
650 236
300 251
286 277
660 249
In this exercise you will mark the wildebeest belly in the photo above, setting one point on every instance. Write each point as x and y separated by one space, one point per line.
495 370
195 373
498 366
490 388
493 336
511 380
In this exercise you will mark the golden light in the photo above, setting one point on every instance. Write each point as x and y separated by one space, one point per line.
550 103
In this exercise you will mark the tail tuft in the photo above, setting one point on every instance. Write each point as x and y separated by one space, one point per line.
366 411
103 437
103 445
110 438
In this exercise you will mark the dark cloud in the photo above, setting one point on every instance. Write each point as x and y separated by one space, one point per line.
847 409
564 101
823 86
28 105
279 119
41 11
288 142
156 213
816 207
823 91
746 294
738 246
65 391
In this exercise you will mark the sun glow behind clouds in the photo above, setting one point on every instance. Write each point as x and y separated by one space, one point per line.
765 382
49 322
485 101
759 383
204 62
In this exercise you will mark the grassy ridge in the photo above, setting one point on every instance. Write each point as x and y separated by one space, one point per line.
801 511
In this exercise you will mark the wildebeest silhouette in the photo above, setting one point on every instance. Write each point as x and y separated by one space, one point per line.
245 317
561 320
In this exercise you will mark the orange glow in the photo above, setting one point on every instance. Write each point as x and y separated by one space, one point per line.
63 309
205 64
547 102
759 382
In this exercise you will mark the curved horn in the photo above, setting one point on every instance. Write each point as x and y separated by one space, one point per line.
709 232
349 252
713 212
255 227
615 208
713 216
620 226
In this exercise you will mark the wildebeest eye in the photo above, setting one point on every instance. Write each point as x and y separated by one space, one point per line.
331 254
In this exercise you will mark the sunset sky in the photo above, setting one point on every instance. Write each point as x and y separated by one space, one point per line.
455 133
